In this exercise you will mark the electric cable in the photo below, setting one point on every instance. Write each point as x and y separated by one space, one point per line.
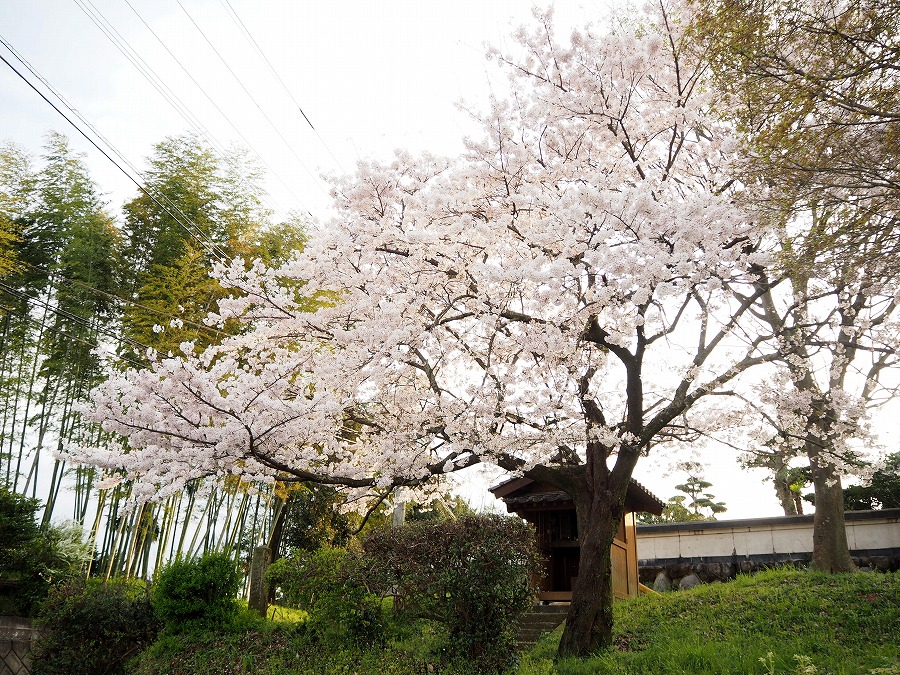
251 97
69 336
207 245
212 102
253 43
119 298
77 320
119 42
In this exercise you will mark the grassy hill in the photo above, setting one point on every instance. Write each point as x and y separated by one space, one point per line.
785 622
776 622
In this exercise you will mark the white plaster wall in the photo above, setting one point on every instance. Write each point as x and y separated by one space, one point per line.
720 539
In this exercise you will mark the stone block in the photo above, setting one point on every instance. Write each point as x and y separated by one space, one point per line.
688 582
662 583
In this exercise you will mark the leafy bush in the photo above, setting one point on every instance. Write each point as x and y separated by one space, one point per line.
92 627
325 584
31 559
197 593
302 577
473 575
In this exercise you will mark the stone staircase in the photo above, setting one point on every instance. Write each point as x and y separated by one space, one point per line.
540 619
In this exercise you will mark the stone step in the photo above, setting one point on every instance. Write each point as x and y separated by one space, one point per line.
543 620
540 619
549 609
540 625
531 635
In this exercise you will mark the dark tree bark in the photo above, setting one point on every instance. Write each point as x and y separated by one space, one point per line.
789 500
590 621
785 494
599 495
831 552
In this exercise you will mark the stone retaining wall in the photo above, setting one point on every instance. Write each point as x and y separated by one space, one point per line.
719 550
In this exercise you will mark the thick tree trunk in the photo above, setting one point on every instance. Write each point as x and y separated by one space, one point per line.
590 620
830 550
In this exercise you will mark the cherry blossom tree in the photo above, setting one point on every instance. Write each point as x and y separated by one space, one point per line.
811 85
552 302
838 334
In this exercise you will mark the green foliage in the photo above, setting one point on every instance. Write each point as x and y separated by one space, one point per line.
31 559
787 622
440 508
172 303
283 650
196 593
93 627
313 521
812 89
673 512
303 576
203 208
184 180
14 172
700 507
326 583
701 501
472 575
881 492
9 240
275 244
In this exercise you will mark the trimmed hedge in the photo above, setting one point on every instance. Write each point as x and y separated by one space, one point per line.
200 592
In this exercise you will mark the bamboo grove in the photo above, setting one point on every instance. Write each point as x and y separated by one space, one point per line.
82 290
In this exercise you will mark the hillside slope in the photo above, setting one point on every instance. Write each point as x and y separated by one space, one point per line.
787 621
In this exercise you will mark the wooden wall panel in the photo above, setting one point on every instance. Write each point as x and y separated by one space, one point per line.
619 571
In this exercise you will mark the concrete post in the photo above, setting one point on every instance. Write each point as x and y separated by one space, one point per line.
399 515
258 600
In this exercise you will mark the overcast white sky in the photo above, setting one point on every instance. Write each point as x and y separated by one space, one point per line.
371 76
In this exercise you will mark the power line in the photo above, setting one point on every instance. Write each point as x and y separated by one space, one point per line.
250 96
207 245
88 343
249 37
124 301
147 72
120 43
78 320
200 88
144 68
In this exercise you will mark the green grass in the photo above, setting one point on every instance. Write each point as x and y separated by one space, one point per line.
775 622
784 622
280 614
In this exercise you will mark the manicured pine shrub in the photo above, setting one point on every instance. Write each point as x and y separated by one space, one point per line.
91 627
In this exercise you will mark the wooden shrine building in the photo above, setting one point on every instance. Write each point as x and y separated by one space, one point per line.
552 513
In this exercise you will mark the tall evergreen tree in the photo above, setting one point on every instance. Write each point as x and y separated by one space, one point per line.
14 168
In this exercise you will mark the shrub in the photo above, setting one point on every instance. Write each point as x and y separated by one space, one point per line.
92 628
31 558
325 584
200 592
303 576
473 575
